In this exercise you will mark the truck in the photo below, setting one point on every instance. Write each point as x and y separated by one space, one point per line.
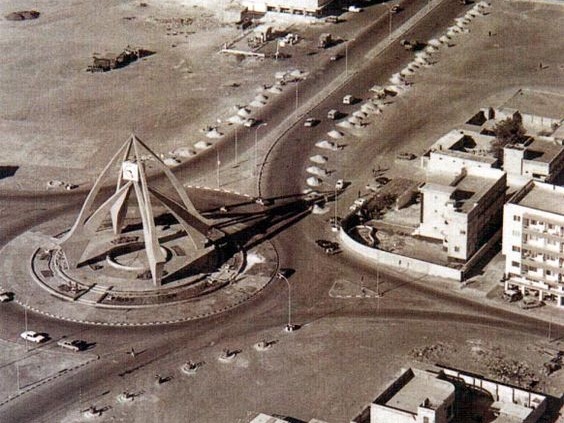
325 40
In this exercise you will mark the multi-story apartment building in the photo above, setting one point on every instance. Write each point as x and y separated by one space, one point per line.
533 241
463 209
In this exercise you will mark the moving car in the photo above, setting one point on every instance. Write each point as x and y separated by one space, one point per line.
355 9
340 184
309 122
33 336
396 9
329 247
405 156
74 345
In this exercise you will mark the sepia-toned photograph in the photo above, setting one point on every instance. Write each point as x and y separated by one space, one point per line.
282 211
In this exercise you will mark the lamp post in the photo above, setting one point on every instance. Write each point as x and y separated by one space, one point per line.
289 326
256 147
347 58
218 165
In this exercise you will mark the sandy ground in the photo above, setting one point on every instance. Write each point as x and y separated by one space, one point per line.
342 362
55 115
34 367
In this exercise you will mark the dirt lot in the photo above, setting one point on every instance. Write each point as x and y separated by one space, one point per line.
57 116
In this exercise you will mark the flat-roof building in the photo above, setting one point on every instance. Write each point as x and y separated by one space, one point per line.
442 395
300 7
462 209
533 241
459 148
535 159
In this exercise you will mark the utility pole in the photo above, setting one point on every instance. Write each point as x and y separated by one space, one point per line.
297 97
25 319
346 58
218 164
289 326
236 150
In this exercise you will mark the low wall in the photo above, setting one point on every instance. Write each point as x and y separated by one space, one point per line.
397 260
504 393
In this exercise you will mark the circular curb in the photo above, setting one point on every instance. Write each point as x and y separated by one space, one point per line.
155 322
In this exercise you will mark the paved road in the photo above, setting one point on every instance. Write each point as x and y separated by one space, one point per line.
268 310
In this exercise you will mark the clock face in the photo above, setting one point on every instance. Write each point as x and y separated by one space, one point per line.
130 171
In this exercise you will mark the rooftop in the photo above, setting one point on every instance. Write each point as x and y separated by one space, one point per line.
465 143
545 197
423 386
466 188
543 151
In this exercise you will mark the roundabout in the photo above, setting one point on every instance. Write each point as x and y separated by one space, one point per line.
143 256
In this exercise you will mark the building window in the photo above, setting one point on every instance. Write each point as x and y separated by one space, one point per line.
516 233
514 264
456 249
516 249
517 218
462 232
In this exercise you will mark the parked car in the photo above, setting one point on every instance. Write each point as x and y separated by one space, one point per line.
309 122
405 156
336 57
530 302
511 295
349 99
340 184
360 202
355 9
250 122
332 19
33 336
333 114
396 9
6 296
75 345
329 247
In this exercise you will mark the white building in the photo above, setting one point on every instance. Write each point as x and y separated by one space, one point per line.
533 241
441 395
462 209
542 160
301 7
459 148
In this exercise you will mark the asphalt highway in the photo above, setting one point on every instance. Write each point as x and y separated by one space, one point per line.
283 176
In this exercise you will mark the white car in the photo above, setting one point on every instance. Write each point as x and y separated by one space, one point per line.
340 184
6 296
360 202
250 122
348 99
355 9
32 336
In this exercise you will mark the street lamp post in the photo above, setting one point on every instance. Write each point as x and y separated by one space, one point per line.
390 27
256 148
346 58
289 326
218 165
